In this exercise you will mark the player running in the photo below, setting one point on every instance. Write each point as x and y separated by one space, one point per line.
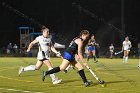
126 49
91 48
45 45
68 58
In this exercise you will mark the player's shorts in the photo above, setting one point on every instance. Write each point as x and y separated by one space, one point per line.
127 50
111 51
91 48
68 56
43 56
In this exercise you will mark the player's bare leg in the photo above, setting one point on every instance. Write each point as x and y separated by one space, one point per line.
88 56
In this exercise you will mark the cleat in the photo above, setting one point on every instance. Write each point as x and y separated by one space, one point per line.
21 69
65 71
96 61
57 81
43 75
73 67
88 83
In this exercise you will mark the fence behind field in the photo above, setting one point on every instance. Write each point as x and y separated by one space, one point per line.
33 53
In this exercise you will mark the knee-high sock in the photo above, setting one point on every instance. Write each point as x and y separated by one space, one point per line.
54 70
53 77
68 67
126 59
82 74
29 68
87 57
123 58
94 57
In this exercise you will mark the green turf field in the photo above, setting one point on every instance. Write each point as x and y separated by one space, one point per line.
119 77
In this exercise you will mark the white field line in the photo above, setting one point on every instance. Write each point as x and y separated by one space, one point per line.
25 91
15 79
7 68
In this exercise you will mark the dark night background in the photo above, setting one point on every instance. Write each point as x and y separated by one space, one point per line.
67 17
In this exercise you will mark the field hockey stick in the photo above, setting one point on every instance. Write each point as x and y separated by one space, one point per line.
116 53
96 77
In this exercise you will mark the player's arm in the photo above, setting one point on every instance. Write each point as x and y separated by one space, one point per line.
31 45
130 45
55 51
80 45
89 43
95 42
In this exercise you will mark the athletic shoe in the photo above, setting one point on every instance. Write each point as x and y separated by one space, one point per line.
57 81
88 83
95 61
65 71
139 67
21 69
43 75
73 68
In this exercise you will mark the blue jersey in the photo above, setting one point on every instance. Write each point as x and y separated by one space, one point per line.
91 45
92 42
71 50
73 47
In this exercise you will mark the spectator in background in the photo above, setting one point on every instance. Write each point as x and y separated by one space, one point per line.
15 48
9 48
139 49
111 50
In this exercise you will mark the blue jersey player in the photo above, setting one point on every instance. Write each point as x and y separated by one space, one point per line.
75 47
91 48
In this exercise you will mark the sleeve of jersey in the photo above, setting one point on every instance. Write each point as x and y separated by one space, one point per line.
129 42
37 38
123 42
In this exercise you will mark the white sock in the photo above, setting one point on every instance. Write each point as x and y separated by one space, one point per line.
68 67
53 77
123 58
29 68
139 63
126 59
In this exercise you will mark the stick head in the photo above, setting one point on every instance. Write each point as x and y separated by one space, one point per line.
101 82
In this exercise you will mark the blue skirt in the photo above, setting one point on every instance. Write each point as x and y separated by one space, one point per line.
68 56
91 48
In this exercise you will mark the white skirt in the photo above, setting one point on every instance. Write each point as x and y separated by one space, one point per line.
43 55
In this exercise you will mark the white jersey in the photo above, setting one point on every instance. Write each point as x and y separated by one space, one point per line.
111 48
44 47
126 45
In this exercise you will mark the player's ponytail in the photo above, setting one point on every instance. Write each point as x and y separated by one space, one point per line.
84 32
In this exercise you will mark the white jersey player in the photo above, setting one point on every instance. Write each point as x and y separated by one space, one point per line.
126 48
111 50
45 45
